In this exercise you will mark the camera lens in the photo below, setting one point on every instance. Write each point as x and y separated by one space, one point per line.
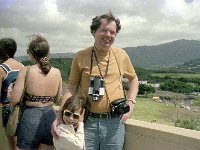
95 97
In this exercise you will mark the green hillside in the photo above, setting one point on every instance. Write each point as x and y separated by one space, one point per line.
191 66
164 55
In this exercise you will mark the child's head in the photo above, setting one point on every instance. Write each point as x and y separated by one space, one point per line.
73 109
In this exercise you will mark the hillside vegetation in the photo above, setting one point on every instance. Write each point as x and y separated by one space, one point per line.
169 54
191 66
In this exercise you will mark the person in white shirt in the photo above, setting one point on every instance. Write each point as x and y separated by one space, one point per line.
71 132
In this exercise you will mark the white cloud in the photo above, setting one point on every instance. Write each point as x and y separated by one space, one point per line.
65 23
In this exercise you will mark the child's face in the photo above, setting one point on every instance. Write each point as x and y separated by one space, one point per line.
71 117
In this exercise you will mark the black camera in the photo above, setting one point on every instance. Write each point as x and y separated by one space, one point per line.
96 87
120 106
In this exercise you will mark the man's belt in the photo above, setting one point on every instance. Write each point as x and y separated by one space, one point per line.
102 115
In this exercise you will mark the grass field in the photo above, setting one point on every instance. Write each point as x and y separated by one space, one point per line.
162 113
177 75
148 110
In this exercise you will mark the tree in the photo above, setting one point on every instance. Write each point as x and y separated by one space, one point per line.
143 89
176 86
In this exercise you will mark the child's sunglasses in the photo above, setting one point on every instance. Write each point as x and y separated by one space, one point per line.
69 114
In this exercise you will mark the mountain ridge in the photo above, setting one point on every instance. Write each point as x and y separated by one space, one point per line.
155 57
170 54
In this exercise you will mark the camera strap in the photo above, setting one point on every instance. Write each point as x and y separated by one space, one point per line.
98 65
93 54
92 57
120 73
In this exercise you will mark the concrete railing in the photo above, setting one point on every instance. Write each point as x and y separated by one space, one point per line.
142 135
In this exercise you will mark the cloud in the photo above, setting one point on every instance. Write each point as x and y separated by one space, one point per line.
65 23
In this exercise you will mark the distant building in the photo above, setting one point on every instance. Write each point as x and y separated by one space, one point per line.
143 82
156 85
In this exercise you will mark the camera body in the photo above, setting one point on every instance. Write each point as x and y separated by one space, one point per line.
120 106
96 87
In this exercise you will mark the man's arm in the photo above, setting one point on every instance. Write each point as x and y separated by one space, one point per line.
131 96
133 89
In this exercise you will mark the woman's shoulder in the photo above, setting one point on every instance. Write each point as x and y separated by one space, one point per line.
14 64
34 68
55 70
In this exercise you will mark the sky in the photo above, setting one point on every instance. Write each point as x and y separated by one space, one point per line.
66 23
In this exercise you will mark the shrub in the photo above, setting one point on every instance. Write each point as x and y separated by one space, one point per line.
187 123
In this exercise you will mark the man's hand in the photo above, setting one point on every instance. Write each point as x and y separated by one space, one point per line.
128 114
125 117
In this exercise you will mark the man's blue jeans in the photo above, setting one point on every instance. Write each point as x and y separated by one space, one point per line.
104 134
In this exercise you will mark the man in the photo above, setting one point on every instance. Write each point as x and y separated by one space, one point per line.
96 73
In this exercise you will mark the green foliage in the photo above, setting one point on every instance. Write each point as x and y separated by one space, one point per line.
125 86
190 75
174 82
176 86
64 64
27 62
187 123
144 89
183 79
143 74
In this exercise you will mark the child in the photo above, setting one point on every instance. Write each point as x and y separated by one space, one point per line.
72 131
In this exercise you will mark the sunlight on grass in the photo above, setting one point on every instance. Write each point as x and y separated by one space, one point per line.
150 111
159 112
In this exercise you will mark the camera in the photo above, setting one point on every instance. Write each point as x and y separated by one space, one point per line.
119 106
96 87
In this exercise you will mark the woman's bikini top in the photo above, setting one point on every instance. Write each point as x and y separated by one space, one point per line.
32 98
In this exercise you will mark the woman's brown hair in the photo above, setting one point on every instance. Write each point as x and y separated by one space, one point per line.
39 48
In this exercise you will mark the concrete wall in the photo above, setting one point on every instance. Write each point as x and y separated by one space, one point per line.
142 135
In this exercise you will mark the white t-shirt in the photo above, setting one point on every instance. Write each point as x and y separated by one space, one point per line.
69 139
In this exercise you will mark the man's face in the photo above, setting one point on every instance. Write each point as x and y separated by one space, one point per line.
105 35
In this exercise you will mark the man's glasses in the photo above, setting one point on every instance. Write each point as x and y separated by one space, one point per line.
69 114
104 31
